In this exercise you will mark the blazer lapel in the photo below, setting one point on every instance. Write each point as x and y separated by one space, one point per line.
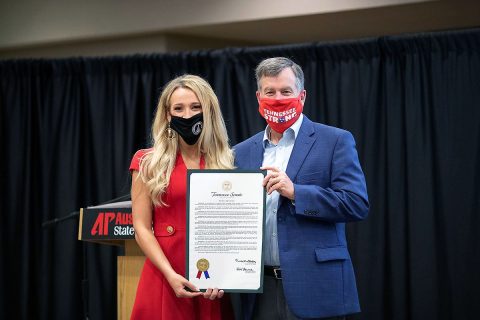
303 143
256 153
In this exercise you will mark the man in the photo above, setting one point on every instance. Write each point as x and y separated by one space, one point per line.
314 185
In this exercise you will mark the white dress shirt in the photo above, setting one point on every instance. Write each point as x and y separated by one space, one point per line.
276 156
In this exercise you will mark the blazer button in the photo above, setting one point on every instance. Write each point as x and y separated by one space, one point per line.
170 229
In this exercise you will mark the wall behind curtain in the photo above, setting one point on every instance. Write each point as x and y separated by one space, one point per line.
70 126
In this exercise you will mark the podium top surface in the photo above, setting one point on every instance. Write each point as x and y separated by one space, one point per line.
121 204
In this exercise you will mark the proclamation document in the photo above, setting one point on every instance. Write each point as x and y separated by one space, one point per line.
225 223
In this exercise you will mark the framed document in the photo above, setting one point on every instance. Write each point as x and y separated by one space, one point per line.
225 223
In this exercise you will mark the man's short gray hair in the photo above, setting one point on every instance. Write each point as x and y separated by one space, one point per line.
273 66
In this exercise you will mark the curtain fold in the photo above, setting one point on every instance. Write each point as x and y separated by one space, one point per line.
70 126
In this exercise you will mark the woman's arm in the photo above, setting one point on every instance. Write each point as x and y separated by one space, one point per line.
142 223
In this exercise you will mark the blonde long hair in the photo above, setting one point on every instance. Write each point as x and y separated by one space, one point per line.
157 165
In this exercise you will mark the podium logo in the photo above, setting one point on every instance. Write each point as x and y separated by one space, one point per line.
104 219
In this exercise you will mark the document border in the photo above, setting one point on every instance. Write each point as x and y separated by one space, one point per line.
189 172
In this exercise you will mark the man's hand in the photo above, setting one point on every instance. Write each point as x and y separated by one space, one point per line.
213 294
277 180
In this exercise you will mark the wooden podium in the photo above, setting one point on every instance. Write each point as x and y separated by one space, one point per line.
111 224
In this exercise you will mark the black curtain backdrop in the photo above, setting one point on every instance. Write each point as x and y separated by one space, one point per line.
70 126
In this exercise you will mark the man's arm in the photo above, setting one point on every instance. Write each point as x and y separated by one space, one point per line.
346 198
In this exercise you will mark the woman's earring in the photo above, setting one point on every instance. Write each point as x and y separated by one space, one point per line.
170 132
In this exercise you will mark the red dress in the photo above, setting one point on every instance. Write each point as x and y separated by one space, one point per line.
155 298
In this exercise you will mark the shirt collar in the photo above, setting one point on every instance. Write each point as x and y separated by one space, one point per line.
295 128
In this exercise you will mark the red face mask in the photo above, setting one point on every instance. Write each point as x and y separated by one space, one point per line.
280 113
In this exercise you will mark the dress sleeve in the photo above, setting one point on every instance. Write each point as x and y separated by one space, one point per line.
137 157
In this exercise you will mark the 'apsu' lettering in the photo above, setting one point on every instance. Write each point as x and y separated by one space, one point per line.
100 226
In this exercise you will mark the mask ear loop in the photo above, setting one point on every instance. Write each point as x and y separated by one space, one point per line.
170 132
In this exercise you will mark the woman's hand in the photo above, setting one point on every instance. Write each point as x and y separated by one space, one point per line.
185 289
179 285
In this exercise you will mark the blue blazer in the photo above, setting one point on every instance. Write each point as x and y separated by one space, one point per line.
330 189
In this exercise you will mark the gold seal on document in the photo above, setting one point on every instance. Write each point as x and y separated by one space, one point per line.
203 264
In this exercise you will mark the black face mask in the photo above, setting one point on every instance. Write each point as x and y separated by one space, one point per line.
189 129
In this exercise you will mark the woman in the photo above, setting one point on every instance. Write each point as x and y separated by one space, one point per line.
188 133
